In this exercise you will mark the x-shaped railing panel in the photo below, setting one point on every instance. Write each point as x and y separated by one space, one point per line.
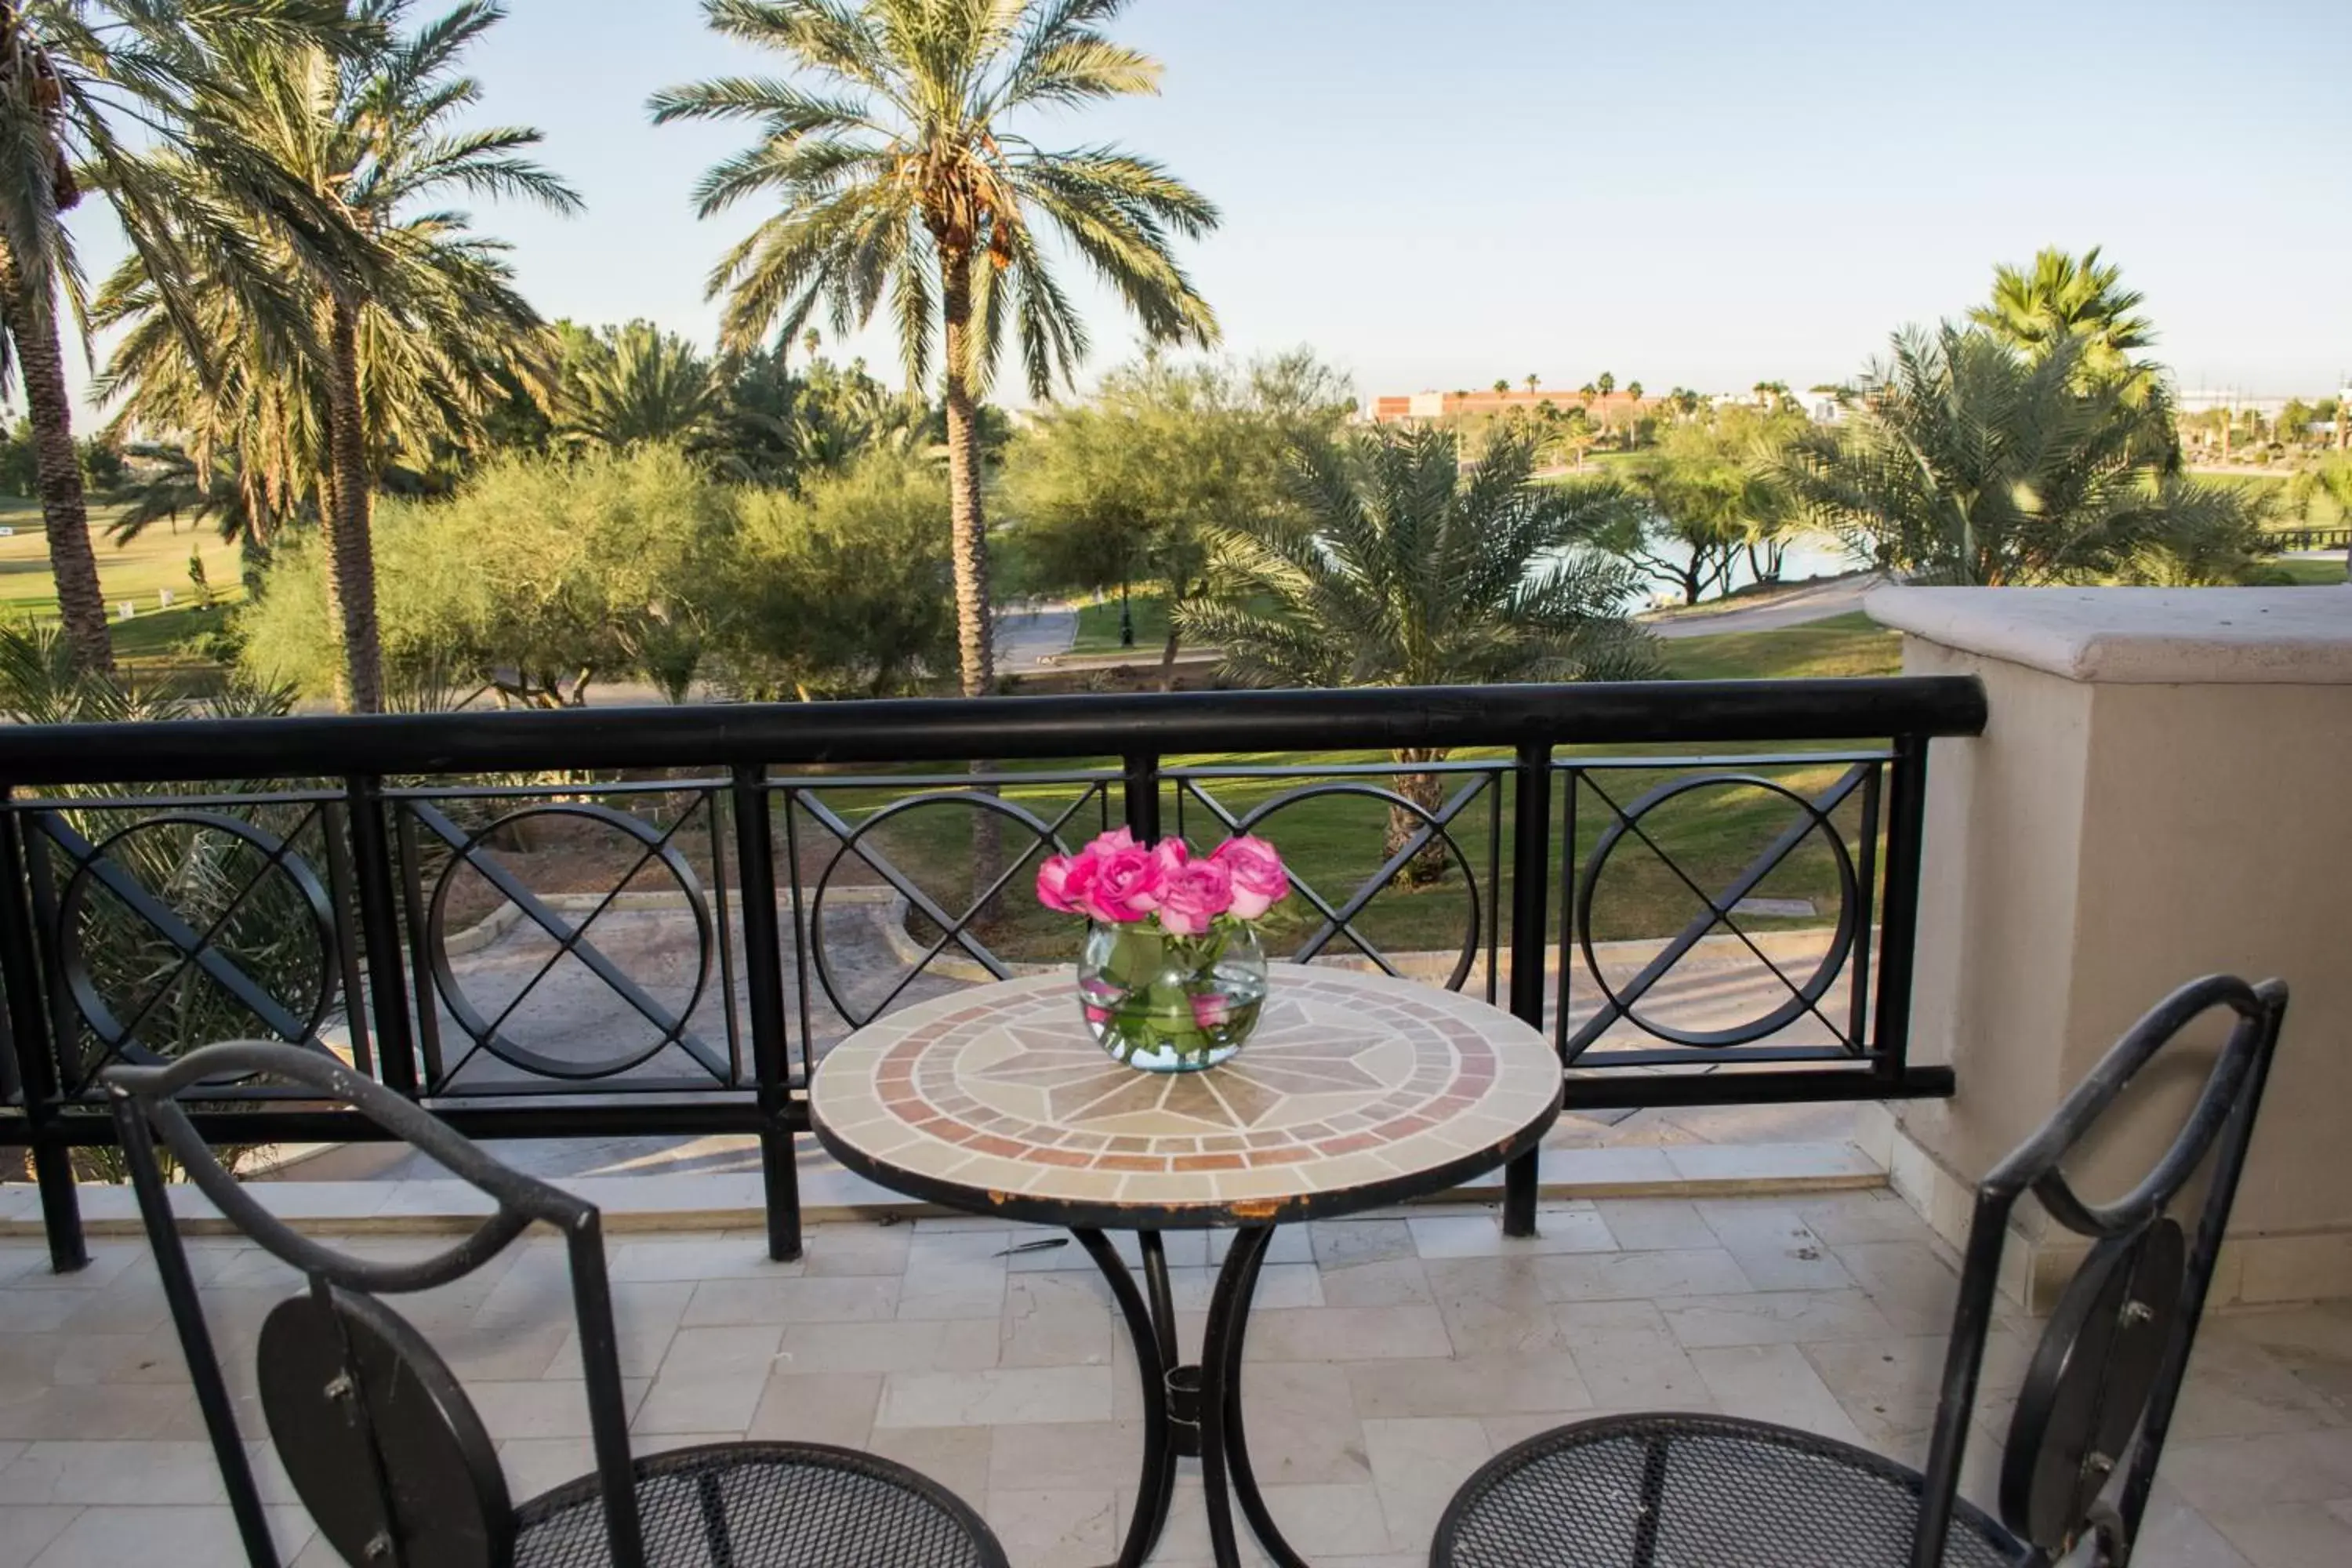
955 929
94 864
1340 916
671 1027
1814 816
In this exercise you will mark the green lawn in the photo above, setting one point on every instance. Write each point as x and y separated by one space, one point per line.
1099 625
2312 573
1850 643
150 642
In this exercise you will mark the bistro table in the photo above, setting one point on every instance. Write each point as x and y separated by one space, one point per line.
1356 1092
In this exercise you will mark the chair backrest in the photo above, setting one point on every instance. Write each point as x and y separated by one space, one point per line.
381 1444
2099 1393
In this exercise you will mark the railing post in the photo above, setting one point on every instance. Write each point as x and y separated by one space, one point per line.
1898 921
763 976
1530 906
1142 789
395 1047
36 1067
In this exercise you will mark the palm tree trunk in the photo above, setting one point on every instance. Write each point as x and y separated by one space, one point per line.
1426 791
968 525
968 542
65 513
351 575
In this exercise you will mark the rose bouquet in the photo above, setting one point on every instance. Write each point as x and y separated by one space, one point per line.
1173 974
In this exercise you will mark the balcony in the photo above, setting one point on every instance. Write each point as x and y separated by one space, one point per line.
2006 854
1389 1355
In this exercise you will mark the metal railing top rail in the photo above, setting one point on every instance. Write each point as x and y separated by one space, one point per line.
957 729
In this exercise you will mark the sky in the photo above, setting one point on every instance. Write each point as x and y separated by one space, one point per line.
1702 193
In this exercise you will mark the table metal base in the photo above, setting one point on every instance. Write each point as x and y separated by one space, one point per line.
1192 1410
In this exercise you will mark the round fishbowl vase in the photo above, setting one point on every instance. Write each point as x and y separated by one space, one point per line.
1171 1004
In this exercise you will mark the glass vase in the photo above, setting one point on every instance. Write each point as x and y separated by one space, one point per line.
1171 1004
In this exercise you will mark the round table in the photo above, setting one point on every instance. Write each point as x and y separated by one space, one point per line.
1356 1092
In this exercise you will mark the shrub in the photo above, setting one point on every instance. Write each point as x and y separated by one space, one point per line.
843 590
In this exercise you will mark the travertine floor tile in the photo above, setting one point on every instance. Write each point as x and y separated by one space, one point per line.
1376 1379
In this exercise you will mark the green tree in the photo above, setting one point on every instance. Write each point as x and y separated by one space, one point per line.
20 469
1404 571
2064 299
82 84
171 484
1578 433
538 578
1606 383
1966 461
622 388
901 173
406 328
1710 497
2329 480
843 590
1129 487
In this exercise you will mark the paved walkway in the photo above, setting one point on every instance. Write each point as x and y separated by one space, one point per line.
1762 613
1027 639
1388 1357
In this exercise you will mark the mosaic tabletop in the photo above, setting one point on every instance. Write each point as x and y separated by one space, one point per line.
1355 1090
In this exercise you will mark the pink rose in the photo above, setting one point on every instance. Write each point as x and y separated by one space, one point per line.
1125 884
1062 882
1211 1012
1255 866
1195 896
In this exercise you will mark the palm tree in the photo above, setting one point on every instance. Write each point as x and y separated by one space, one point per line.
220 489
900 173
1502 383
1407 573
1606 383
1534 382
635 385
405 329
2063 298
75 77
1967 462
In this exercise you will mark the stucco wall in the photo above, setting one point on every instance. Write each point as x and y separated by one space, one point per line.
2109 837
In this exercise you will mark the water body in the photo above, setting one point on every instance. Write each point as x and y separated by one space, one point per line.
1808 555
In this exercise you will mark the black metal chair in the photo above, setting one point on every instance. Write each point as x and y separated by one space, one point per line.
1706 1492
383 1447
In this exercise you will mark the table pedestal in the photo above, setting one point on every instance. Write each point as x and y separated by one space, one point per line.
1192 1410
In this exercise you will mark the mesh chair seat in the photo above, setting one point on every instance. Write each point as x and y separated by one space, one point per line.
1698 1492
764 1505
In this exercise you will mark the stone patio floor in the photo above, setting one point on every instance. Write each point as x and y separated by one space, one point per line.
1387 1357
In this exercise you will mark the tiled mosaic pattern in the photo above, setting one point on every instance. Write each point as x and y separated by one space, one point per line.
1350 1080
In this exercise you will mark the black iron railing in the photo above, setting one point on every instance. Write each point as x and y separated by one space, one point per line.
605 922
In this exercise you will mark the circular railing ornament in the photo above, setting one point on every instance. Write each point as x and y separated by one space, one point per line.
1804 997
120 1037
488 1032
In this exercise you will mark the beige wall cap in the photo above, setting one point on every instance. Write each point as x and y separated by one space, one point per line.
2169 636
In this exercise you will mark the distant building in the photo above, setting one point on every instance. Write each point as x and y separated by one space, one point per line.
1433 405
